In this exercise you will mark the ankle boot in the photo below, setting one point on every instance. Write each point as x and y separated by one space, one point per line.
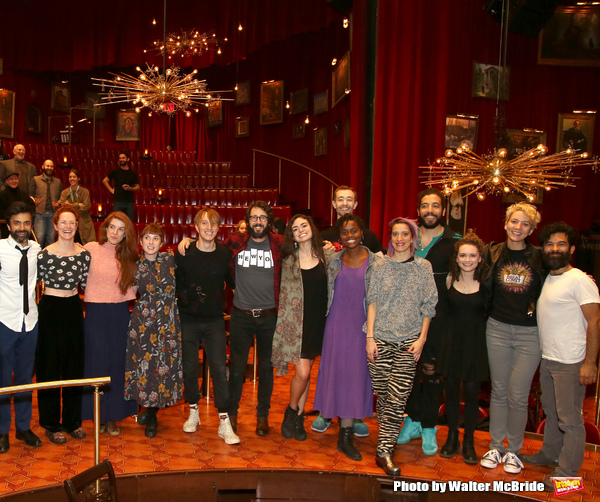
469 454
300 431
452 446
289 423
345 444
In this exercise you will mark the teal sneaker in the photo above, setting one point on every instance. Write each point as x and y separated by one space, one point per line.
429 446
320 424
360 429
411 430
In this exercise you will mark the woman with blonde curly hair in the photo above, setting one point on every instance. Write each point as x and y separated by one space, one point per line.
107 294
514 278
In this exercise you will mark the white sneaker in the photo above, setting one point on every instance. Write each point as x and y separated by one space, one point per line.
491 459
192 422
512 463
226 432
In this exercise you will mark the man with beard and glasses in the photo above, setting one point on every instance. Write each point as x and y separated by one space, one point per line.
18 322
256 267
345 202
126 182
19 165
568 316
436 245
46 190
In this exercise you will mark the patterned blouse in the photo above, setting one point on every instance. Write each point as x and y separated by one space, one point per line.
63 272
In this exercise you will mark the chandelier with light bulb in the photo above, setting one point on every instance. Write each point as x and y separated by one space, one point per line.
189 43
495 174
167 92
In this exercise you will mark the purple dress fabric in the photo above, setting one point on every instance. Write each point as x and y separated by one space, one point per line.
344 384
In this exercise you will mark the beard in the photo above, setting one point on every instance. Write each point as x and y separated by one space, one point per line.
424 223
49 173
258 234
122 163
20 237
557 259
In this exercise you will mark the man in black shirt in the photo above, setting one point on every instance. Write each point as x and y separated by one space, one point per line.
344 202
126 182
201 275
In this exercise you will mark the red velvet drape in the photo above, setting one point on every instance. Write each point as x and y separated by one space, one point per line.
425 55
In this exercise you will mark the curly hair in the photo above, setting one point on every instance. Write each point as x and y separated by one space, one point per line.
126 250
260 204
528 210
289 244
470 239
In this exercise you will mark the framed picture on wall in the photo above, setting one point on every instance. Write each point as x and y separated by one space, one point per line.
320 102
33 119
321 142
271 102
128 125
7 114
242 94
490 81
576 131
461 129
571 37
521 140
214 113
456 211
299 101
340 80
242 127
299 130
61 97
91 101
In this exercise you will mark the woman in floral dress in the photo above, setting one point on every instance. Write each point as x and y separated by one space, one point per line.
153 370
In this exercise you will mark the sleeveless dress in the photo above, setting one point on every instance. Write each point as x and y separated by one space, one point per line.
464 354
314 282
344 384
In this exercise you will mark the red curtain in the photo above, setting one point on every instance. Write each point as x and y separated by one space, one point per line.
425 55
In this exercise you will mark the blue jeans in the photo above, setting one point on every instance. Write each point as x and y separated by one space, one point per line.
17 351
514 354
243 327
44 229
212 335
126 207
562 400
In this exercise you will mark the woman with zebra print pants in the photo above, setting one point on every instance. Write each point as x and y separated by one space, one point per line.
401 299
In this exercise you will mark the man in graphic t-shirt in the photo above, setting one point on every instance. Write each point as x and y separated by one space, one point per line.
256 266
126 182
568 315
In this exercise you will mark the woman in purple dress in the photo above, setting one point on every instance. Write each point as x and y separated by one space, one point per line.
344 385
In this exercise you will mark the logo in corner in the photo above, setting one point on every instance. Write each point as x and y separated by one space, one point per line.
563 486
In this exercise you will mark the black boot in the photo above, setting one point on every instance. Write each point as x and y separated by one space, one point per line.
452 446
300 431
345 444
469 454
151 423
289 423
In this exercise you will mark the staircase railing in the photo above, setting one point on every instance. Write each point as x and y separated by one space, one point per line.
281 159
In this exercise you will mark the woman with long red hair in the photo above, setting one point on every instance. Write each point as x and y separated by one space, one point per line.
107 294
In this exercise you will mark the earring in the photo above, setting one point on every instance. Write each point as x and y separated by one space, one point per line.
295 245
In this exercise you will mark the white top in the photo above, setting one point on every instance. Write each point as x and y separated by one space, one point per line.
560 319
11 293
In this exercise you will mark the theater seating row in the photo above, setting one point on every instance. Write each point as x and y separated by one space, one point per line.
155 181
194 197
142 167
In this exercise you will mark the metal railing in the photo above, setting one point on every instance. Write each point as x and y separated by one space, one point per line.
95 382
311 171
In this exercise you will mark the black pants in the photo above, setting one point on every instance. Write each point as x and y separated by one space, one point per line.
59 356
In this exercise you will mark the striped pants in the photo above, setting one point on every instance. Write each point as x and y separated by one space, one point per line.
392 377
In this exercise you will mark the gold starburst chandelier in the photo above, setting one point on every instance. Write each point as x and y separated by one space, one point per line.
496 175
167 92
189 43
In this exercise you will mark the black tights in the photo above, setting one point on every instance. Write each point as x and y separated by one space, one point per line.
471 413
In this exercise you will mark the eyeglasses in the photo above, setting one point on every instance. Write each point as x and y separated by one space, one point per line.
67 223
255 218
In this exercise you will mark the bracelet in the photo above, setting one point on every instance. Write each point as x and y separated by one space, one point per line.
370 337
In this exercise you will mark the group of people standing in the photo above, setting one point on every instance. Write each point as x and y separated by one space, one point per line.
437 312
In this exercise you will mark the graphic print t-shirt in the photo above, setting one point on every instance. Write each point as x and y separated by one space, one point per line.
254 277
515 280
